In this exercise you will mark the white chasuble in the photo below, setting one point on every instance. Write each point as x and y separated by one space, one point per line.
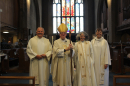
61 61
39 68
84 61
102 57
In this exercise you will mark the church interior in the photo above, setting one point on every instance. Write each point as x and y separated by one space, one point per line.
19 20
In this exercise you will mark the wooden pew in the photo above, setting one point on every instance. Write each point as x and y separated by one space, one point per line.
18 77
20 59
120 76
12 58
24 60
6 61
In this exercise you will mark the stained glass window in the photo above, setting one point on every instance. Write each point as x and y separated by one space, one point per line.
69 12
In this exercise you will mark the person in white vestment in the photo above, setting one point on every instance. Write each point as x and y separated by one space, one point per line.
61 59
84 61
102 58
39 51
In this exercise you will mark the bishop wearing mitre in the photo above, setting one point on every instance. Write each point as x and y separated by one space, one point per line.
61 59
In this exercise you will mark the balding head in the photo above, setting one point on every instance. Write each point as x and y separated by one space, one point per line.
40 32
41 28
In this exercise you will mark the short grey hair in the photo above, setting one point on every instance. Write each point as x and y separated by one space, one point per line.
83 32
42 28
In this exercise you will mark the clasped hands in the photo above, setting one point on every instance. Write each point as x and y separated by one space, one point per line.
41 56
105 66
69 47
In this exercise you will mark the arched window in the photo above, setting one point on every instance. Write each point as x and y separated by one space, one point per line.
69 12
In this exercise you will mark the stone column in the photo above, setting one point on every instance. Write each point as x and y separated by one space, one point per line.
28 15
96 9
89 23
109 20
22 17
40 11
0 27
0 31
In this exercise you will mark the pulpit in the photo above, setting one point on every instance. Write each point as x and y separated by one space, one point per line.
117 59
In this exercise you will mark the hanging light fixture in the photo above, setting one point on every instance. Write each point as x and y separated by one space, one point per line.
6 31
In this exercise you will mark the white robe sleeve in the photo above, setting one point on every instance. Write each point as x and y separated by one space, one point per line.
49 52
30 52
58 52
107 55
